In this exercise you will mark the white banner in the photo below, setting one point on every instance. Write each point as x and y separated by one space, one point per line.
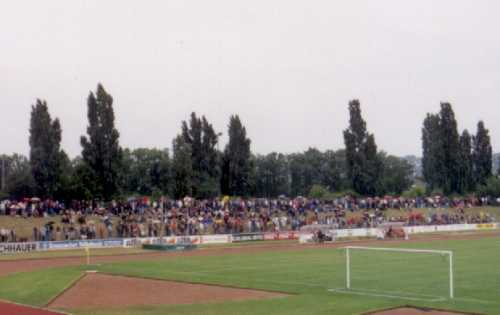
449 228
356 233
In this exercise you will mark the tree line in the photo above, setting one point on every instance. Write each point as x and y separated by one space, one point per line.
196 167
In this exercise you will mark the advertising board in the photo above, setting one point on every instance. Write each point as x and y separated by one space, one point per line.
238 238
14 248
216 239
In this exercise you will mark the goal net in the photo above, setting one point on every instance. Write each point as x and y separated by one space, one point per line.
413 274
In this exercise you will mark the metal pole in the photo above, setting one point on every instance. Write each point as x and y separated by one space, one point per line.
452 294
348 269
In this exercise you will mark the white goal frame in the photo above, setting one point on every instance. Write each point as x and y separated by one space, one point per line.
403 250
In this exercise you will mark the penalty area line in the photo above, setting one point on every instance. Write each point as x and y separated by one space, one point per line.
472 300
389 296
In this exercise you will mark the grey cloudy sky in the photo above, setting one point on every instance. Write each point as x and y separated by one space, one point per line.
288 68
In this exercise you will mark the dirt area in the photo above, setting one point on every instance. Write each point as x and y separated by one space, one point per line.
101 290
414 311
16 309
12 266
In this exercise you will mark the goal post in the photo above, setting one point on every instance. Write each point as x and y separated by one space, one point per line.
350 249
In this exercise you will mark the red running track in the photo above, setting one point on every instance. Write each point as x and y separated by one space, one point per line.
7 308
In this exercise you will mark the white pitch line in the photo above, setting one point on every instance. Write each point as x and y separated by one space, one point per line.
399 297
477 301
390 292
201 273
224 269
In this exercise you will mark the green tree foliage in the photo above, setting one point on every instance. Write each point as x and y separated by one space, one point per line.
453 163
397 175
373 170
363 165
335 173
450 148
498 166
236 163
295 174
271 175
203 139
441 151
491 188
482 155
182 168
101 149
432 151
19 182
67 171
314 167
147 172
81 180
46 156
466 176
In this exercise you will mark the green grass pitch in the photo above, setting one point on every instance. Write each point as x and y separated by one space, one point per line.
308 275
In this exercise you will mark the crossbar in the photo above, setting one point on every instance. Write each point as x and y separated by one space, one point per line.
404 250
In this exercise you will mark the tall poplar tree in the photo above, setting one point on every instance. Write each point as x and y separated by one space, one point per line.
46 156
482 154
432 152
236 164
498 166
363 164
101 149
466 176
451 152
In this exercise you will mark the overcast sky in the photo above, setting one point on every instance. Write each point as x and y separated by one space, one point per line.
288 68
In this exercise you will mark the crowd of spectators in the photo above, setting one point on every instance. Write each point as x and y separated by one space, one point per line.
141 217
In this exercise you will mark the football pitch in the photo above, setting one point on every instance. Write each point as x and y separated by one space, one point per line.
311 280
